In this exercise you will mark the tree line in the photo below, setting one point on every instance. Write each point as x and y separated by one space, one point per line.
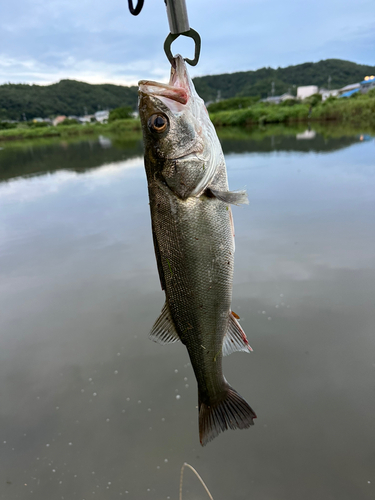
69 97
333 73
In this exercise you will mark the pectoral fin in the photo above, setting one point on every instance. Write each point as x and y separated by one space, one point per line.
235 338
231 197
164 332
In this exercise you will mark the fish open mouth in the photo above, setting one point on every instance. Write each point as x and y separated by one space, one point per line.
177 90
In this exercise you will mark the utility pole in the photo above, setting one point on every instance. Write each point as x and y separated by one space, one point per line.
273 89
329 82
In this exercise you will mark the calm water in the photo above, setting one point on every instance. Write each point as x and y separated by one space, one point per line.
90 408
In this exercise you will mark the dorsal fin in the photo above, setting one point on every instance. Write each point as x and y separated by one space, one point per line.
164 332
235 338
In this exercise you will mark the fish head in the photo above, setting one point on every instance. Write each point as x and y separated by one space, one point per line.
181 144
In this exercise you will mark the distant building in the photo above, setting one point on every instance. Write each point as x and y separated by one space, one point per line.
287 97
349 93
307 91
86 119
328 93
58 119
348 88
367 84
102 116
279 98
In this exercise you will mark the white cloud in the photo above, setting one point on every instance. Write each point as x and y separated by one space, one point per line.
88 70
99 41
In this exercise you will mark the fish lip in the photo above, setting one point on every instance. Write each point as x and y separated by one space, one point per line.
156 89
178 88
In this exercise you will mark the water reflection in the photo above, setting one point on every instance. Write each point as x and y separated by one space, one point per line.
88 403
305 142
81 156
63 155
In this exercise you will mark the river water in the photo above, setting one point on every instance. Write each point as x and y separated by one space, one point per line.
92 409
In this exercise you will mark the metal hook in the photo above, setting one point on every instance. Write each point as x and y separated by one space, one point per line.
135 10
190 34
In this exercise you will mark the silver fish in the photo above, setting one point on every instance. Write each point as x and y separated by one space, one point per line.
193 237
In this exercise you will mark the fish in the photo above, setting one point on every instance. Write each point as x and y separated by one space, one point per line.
193 236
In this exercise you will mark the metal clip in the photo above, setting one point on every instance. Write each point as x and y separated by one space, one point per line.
179 25
191 34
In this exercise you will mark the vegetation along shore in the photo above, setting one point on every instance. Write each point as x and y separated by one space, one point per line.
29 112
357 111
129 127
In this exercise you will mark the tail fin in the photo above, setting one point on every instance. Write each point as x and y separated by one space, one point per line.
232 412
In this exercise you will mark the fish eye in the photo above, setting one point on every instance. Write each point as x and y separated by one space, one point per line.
158 123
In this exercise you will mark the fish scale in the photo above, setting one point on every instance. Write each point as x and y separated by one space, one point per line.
194 242
197 262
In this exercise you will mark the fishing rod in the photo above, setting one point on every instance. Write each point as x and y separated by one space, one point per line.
178 24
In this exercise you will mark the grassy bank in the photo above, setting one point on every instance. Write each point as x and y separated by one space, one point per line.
120 127
260 113
354 113
357 111
328 129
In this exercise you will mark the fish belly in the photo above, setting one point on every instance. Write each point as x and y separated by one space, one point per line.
194 246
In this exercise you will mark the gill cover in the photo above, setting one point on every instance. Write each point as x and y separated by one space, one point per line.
178 133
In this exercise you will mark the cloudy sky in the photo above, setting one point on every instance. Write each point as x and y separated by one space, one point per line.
44 41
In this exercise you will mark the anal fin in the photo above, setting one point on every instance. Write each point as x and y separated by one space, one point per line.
235 338
164 332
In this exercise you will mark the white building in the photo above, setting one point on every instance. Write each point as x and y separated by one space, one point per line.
102 116
278 98
328 93
87 119
307 91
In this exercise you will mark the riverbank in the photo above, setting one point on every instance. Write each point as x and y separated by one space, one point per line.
353 114
130 127
357 111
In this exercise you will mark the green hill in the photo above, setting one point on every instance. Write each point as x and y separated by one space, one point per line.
259 82
70 97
